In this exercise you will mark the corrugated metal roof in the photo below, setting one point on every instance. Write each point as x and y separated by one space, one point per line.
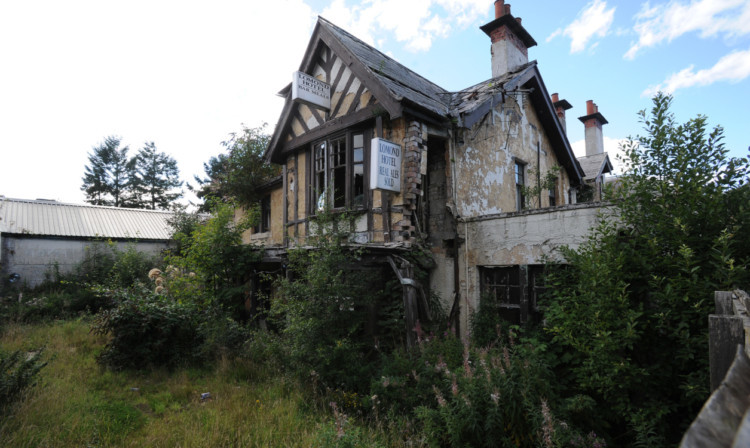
51 218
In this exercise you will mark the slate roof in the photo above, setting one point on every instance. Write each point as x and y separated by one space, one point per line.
402 82
51 218
468 106
595 165
471 98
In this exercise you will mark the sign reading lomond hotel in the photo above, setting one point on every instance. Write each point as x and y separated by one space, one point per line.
385 165
311 91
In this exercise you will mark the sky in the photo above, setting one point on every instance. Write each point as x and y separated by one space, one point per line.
185 74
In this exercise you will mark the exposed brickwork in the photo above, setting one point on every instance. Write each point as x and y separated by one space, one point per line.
592 122
406 229
504 33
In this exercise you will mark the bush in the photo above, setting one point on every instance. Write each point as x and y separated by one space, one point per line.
148 330
18 371
322 311
464 395
629 314
106 264
220 335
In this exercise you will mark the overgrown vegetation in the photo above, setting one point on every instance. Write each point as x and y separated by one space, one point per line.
18 372
76 403
234 177
627 318
620 359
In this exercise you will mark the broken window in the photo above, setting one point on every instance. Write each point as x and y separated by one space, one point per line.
339 171
553 194
264 224
520 183
502 285
515 290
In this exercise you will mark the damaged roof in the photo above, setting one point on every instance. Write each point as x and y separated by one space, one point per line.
402 82
398 88
43 217
472 98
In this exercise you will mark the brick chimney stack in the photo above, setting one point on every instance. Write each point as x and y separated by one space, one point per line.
593 122
510 40
560 107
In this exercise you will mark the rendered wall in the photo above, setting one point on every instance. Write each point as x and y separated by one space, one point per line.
32 258
518 239
485 161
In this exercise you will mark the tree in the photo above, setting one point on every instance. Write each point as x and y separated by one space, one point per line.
156 178
629 313
235 176
108 176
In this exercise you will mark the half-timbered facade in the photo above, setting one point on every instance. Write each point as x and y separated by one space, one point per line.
463 169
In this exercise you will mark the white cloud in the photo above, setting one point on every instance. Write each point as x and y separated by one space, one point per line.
594 20
669 21
733 67
182 74
414 23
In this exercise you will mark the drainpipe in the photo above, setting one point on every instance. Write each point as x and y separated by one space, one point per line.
455 315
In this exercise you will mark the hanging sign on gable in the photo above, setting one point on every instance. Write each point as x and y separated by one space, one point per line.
309 90
385 165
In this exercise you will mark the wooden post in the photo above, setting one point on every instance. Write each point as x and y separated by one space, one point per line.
723 301
410 307
405 275
725 333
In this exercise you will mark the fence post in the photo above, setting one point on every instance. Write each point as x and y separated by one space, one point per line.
726 332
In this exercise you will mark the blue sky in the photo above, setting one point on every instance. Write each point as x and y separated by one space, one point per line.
184 74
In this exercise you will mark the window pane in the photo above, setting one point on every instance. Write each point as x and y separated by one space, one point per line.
338 152
358 185
339 186
359 155
358 140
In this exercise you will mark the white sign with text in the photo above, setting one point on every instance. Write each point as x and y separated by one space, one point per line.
311 91
385 165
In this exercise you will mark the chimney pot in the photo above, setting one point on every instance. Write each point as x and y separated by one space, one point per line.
499 8
590 107
555 98
518 19
507 9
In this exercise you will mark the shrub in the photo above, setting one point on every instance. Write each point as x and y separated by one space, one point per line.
323 309
18 371
148 330
220 335
215 253
630 312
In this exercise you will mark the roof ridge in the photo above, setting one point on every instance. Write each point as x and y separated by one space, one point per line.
70 204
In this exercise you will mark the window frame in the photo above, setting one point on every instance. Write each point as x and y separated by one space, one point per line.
506 287
325 160
519 168
553 195
264 223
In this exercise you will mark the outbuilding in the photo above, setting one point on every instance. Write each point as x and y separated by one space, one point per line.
39 236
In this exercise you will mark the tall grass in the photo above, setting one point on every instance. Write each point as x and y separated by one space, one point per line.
77 403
